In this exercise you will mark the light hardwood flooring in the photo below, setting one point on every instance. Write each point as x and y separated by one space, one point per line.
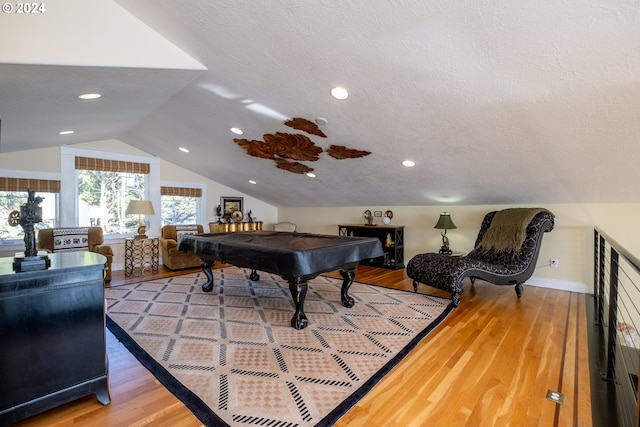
490 363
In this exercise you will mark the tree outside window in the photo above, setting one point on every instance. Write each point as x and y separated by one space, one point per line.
104 197
179 210
181 205
12 200
105 187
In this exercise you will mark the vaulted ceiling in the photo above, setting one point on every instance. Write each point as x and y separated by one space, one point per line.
496 102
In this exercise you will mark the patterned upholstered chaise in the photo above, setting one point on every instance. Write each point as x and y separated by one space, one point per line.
496 262
67 239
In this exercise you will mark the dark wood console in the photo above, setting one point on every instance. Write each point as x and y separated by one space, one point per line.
52 335
391 237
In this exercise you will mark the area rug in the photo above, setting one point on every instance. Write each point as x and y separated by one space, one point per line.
233 358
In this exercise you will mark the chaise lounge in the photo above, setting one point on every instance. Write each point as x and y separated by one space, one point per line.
505 253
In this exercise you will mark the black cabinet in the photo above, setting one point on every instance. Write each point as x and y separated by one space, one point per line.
391 237
52 335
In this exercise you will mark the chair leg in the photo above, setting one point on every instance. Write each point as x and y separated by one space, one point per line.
415 285
455 298
519 289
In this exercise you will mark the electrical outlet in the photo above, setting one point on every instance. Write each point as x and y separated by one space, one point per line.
553 262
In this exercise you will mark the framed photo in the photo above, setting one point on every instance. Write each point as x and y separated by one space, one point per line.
377 214
231 204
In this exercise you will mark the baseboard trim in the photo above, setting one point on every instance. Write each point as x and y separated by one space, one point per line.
563 285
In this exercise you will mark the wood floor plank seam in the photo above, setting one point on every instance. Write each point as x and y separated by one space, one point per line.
575 368
401 398
562 359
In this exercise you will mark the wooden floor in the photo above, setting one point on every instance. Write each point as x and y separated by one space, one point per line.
490 363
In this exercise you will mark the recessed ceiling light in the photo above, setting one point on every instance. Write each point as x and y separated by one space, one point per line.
321 121
90 96
66 132
311 174
409 163
339 92
252 182
184 150
237 131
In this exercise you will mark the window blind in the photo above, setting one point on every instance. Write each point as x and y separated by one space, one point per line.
106 165
181 191
24 184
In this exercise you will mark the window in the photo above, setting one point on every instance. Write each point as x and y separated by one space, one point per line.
105 188
13 194
180 205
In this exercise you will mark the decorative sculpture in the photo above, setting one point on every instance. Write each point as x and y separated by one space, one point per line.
30 214
289 149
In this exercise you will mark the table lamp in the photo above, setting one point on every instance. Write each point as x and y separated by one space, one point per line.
445 223
140 207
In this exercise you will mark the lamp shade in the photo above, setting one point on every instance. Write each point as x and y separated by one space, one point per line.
445 222
140 207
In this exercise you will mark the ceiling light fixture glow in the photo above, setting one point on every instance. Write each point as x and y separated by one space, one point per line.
252 182
339 92
90 96
66 132
237 131
259 108
311 174
409 163
184 150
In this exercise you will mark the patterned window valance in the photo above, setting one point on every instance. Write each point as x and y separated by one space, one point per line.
24 184
92 164
181 191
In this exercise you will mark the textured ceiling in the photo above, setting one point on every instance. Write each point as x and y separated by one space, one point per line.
497 102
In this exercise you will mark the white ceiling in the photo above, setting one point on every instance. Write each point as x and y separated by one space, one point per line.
497 102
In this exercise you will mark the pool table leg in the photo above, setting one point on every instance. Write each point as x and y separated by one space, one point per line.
206 269
347 280
298 293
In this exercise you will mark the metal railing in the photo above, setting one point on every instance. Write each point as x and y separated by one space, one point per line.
615 336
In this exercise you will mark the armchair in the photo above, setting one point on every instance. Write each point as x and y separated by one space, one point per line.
505 253
172 258
67 239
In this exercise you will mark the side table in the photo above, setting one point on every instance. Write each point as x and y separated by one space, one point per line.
141 255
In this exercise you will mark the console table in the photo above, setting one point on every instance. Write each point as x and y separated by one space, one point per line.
391 237
52 335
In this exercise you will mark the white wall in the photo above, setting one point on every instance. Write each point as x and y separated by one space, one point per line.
571 241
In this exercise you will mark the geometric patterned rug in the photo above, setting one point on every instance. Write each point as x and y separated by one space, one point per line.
233 358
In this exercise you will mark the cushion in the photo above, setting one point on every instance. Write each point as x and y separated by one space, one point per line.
508 229
186 229
70 239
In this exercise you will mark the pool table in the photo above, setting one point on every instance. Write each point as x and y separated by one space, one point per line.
296 257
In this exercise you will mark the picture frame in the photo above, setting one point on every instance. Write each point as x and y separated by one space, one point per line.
377 214
231 204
